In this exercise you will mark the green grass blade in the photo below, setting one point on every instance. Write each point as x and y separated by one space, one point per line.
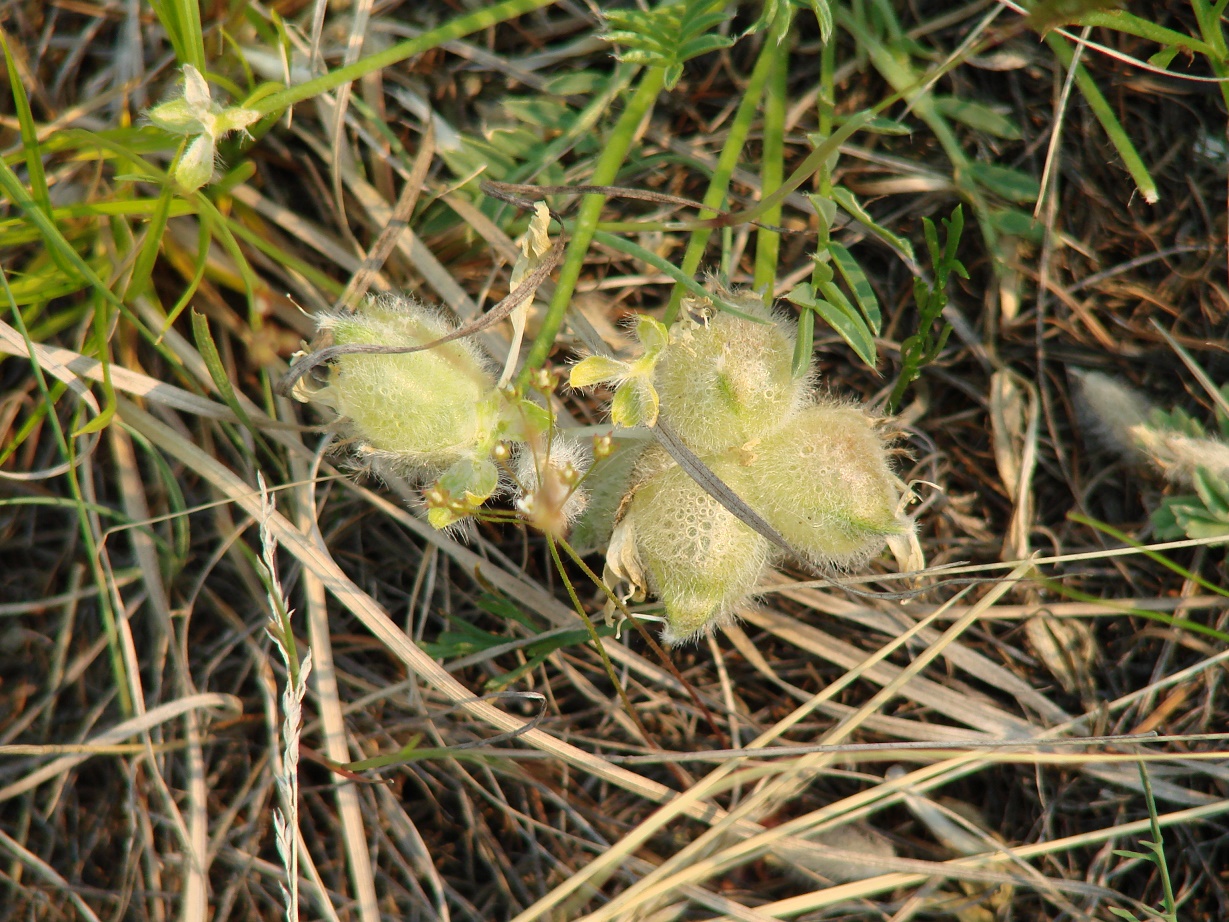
772 171
617 144
460 27
719 183
1109 121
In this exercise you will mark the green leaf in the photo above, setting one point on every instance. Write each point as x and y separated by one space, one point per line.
596 369
979 117
849 202
1214 492
1164 57
635 404
841 317
823 14
217 371
473 479
859 284
29 131
652 333
1005 182
1012 222
825 209
464 639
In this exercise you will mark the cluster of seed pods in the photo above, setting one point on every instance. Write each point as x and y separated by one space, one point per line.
814 468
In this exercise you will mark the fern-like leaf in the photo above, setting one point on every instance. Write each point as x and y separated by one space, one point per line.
668 35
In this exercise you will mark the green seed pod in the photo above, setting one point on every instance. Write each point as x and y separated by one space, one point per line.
824 483
697 558
420 412
725 380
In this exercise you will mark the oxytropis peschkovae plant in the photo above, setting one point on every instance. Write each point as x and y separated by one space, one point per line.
815 469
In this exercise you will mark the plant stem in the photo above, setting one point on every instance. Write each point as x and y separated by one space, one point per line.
608 165
740 127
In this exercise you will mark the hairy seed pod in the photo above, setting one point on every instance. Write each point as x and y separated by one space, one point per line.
423 411
824 482
725 380
699 559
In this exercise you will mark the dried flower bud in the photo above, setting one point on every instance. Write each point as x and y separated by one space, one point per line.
550 497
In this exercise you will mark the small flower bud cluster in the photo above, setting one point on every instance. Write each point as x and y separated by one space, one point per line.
814 469
437 416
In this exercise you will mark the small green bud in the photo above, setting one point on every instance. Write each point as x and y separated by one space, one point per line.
603 447
726 380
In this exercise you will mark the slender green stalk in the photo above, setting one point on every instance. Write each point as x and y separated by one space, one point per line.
1109 121
772 171
617 144
593 635
1210 27
740 127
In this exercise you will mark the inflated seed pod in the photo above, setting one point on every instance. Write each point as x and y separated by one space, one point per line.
421 412
725 380
823 481
698 558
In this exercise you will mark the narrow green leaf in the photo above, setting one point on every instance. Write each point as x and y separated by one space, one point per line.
849 202
823 14
979 117
1164 57
859 284
842 317
1109 120
1005 182
29 131
804 343
1013 222
151 246
217 371
851 328
202 261
1130 24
